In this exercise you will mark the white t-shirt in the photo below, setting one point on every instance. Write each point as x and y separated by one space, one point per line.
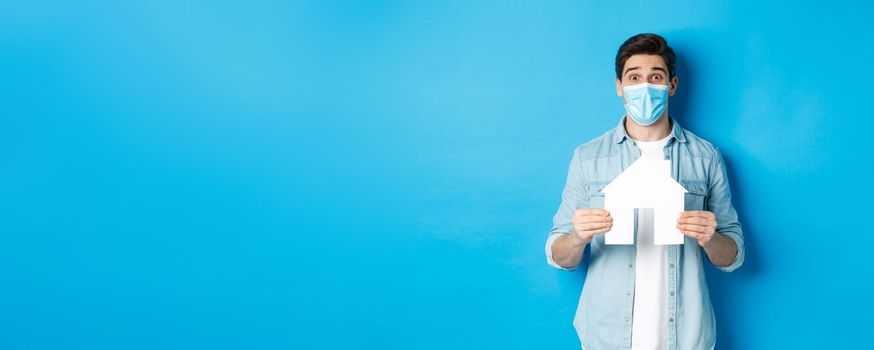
649 318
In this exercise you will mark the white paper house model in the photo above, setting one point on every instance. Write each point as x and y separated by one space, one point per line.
646 183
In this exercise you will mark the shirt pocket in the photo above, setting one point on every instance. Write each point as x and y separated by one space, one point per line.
696 197
596 197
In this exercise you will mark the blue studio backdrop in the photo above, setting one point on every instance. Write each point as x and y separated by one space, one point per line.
383 175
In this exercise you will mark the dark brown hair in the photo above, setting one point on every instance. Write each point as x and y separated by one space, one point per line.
647 44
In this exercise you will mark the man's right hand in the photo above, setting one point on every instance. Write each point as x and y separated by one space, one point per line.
590 222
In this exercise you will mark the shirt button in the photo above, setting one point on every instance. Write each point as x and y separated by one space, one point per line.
630 266
671 320
672 265
672 293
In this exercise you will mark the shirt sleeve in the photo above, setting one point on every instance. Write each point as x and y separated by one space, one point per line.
573 197
719 202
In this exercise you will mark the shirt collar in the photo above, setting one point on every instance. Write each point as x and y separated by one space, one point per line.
619 133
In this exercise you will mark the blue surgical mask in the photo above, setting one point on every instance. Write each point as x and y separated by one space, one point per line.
645 102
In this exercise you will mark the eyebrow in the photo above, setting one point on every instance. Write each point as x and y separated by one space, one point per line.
630 69
637 68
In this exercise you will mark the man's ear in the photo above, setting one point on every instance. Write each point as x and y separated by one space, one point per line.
674 82
618 88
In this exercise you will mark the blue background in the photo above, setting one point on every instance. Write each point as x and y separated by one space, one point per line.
383 175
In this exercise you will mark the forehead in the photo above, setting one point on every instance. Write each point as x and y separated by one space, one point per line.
645 62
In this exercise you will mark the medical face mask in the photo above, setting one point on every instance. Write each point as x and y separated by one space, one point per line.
645 102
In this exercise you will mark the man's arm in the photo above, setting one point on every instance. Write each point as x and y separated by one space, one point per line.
721 250
574 223
718 230
559 253
568 250
702 225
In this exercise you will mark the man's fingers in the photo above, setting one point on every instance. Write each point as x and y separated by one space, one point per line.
697 213
697 220
603 230
595 231
591 229
692 234
700 229
591 218
589 222
594 226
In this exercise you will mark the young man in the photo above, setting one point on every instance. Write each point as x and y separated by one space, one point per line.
646 296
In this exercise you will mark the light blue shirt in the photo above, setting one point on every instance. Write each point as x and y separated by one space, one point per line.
603 317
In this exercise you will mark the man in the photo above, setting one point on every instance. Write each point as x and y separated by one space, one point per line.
646 296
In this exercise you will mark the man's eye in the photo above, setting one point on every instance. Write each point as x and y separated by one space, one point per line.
657 76
633 77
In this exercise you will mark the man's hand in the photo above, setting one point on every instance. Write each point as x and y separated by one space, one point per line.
700 225
590 222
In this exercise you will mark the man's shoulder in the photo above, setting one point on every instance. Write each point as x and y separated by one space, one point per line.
601 146
699 147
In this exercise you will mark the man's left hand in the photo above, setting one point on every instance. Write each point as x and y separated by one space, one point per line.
698 224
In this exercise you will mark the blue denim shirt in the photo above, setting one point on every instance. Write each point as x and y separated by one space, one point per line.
603 317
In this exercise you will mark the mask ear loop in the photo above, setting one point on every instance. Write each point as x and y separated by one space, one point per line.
624 97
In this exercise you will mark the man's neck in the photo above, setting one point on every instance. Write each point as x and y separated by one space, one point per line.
654 132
